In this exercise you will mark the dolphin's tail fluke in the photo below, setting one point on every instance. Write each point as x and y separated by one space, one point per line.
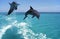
10 3
25 17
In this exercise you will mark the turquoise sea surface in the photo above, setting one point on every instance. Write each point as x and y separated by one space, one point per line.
14 27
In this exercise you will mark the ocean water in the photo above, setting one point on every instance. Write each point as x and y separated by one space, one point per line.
14 27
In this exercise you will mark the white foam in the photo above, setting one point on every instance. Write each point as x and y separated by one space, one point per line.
22 24
3 30
9 18
29 34
24 30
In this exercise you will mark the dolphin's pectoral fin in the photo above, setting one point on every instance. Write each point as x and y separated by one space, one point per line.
37 17
33 16
15 8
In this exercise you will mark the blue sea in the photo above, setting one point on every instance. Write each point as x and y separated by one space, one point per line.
14 27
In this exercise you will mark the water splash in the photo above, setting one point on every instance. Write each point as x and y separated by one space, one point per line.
23 28
4 28
29 34
2 31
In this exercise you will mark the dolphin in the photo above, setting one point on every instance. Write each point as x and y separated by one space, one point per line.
32 12
13 6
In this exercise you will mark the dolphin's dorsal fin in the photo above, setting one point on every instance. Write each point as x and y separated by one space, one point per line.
31 7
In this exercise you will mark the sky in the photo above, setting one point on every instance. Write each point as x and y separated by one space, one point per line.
39 5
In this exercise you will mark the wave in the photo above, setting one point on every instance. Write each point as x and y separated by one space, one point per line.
23 28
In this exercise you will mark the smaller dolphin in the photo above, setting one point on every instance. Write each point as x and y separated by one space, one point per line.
13 6
32 12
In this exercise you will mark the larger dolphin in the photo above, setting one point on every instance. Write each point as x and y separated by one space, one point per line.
32 12
13 6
